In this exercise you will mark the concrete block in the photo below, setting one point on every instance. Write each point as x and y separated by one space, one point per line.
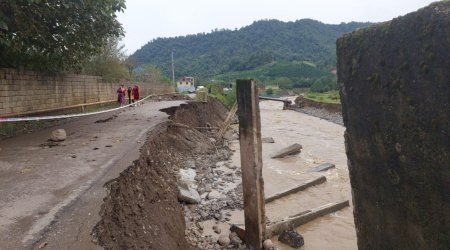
292 149
267 140
322 167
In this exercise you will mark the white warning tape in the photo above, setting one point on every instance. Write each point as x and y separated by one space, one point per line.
51 117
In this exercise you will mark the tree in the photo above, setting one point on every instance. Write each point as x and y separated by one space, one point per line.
324 84
151 73
55 35
284 82
110 63
268 48
130 64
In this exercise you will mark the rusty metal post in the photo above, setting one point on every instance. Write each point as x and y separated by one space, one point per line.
251 162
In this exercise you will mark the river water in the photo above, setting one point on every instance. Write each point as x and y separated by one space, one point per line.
322 142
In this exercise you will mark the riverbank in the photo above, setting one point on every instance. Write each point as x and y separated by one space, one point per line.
335 117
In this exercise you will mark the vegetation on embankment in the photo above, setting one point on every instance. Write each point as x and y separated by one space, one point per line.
326 97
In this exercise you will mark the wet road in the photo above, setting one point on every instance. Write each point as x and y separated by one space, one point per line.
53 195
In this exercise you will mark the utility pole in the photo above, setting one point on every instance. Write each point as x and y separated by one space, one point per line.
173 73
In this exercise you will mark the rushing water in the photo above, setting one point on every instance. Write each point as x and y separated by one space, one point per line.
322 142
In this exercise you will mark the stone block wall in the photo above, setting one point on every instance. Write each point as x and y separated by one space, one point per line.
26 92
395 91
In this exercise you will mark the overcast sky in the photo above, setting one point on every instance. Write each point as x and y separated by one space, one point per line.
144 20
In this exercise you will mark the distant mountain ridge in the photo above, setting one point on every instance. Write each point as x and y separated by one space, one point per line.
261 43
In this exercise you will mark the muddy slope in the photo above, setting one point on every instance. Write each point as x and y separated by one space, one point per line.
141 210
198 114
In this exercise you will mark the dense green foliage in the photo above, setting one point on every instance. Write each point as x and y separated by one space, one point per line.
324 84
55 35
286 75
266 50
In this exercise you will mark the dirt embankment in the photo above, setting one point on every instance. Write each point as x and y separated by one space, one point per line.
328 111
301 102
141 210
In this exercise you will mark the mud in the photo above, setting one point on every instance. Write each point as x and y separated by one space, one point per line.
198 114
141 210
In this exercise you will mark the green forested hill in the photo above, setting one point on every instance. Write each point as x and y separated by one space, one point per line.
252 48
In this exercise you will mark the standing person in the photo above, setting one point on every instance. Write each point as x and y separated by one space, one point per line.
129 94
136 93
121 95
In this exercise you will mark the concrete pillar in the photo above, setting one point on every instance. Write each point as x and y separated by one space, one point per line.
395 89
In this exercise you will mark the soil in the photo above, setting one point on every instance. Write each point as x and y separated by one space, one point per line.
141 209
199 114
302 102
328 111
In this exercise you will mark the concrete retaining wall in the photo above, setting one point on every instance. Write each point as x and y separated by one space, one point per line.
25 92
395 94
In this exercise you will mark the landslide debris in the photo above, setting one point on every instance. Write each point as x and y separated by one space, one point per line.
141 209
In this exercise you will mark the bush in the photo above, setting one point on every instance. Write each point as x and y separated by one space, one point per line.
269 91
324 84
320 86
227 99
230 98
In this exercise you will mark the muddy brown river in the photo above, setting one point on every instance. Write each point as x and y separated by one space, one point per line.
322 142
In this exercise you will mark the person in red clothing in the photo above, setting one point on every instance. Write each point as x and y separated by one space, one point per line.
136 93
121 95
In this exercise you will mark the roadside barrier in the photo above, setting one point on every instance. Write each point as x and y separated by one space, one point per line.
53 117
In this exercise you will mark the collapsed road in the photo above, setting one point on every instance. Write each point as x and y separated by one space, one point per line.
53 194
56 197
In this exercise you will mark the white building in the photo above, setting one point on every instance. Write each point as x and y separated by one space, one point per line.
186 84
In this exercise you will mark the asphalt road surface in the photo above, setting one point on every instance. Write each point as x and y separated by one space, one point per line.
52 195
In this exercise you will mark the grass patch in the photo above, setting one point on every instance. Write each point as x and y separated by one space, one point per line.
326 97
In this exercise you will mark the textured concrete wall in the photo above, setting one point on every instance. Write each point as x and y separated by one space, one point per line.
23 92
395 90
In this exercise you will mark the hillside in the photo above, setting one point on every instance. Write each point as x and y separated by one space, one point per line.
252 47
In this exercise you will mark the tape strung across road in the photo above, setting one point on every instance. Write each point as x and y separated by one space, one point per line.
51 117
